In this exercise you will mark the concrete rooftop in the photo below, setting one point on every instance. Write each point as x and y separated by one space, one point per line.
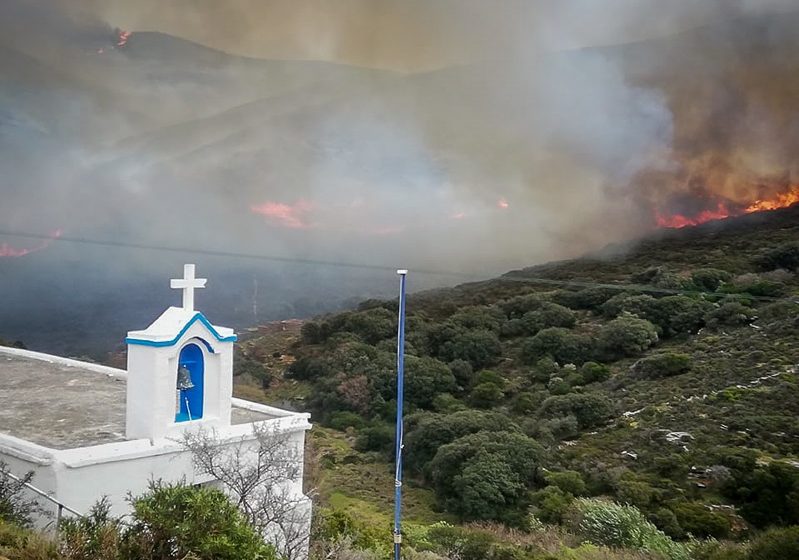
64 407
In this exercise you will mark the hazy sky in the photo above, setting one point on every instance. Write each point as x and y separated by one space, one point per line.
416 34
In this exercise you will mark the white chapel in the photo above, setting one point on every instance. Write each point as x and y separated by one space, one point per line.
89 431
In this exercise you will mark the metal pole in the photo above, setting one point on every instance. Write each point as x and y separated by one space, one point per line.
400 398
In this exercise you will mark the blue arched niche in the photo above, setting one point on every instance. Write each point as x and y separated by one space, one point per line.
191 400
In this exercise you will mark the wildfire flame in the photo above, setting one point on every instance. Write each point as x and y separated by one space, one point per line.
7 250
122 38
727 209
287 215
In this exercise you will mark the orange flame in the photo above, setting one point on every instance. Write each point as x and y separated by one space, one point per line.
287 215
7 250
724 210
122 38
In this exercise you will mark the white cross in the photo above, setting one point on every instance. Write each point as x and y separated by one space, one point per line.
187 284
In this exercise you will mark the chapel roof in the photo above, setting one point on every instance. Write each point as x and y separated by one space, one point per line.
65 406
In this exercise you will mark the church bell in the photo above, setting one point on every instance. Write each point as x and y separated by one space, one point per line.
184 378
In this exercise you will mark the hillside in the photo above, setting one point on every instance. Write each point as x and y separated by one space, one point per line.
674 391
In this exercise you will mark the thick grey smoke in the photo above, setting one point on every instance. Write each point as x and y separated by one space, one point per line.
450 134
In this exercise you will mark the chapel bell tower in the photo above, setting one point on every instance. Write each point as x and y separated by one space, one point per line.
180 370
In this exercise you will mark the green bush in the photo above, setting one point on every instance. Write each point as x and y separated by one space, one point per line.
174 521
480 348
768 495
343 419
559 344
626 336
680 314
426 433
478 318
463 372
95 537
709 279
425 378
308 367
588 298
590 409
485 475
551 503
592 372
611 524
376 438
776 544
783 256
568 481
641 305
486 395
697 520
731 313
662 365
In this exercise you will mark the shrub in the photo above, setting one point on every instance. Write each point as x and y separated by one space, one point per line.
558 386
480 348
756 285
343 419
626 336
463 372
590 409
486 395
641 305
551 504
478 318
462 477
174 521
431 431
18 543
373 325
611 524
709 279
697 520
308 367
680 314
593 372
776 544
568 481
783 256
94 537
731 313
526 402
375 438
589 298
15 504
424 379
769 495
663 365
559 344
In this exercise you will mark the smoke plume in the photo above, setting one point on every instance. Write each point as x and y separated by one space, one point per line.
451 134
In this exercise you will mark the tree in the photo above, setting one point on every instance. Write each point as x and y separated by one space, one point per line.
626 336
460 472
261 483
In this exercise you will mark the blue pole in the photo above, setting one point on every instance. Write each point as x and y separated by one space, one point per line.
400 398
